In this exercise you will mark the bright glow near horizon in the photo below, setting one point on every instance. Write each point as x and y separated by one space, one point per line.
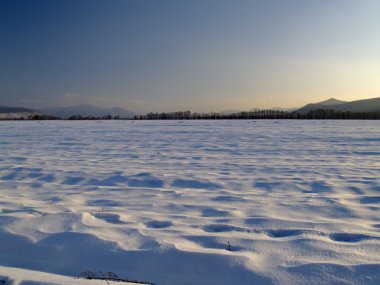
199 55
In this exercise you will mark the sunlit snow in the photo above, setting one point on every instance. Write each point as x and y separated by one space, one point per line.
193 202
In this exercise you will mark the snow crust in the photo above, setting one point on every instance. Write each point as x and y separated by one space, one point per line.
191 202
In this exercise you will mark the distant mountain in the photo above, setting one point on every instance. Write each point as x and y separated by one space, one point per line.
366 105
320 105
86 110
11 113
331 101
5 109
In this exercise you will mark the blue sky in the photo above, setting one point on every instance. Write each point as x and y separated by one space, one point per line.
200 55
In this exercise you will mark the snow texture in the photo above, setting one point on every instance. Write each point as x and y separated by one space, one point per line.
191 202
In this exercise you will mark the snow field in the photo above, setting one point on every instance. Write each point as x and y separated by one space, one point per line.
159 201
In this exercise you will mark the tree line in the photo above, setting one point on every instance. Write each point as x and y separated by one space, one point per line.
263 114
253 115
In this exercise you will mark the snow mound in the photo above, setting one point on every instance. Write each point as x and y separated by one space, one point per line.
192 202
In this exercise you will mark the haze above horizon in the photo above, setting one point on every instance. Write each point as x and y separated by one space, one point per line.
187 55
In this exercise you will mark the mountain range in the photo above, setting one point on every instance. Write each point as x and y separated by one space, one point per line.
85 110
11 113
8 110
366 105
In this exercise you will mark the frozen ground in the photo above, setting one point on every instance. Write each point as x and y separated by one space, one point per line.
298 201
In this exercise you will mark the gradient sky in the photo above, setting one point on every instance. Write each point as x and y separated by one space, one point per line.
202 55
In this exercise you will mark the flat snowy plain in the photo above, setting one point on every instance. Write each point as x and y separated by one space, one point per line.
161 201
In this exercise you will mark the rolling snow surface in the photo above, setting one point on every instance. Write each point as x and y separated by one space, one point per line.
191 202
